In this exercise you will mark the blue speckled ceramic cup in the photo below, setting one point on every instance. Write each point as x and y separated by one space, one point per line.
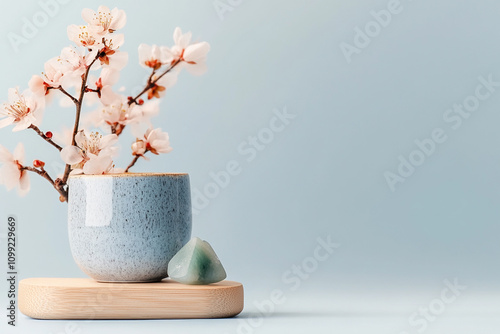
127 227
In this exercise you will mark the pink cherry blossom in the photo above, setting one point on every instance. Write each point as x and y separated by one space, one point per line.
52 77
192 56
97 46
65 70
93 153
11 174
141 114
104 86
83 36
104 21
116 115
160 87
75 59
119 114
38 86
54 71
110 55
157 141
139 148
23 110
75 64
152 57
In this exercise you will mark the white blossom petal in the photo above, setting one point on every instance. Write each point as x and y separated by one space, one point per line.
5 155
21 109
24 184
168 80
23 124
196 52
83 36
37 85
115 41
161 146
108 96
119 19
119 60
109 76
80 138
144 52
181 39
108 141
18 153
138 147
71 155
6 122
98 165
9 175
88 15
197 69
76 171
167 55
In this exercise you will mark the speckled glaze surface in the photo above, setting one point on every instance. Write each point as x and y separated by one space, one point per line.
127 227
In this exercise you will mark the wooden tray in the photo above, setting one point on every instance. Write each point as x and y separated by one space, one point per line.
81 298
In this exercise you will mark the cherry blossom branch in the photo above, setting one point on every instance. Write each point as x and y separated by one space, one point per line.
136 158
75 101
151 76
118 129
89 90
43 173
80 99
132 163
79 104
151 83
41 134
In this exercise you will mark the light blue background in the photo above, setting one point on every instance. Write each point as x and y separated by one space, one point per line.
324 174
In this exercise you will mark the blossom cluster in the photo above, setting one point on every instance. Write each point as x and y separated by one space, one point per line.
97 48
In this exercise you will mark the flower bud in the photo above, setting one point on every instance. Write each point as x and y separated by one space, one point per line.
140 102
48 134
38 164
138 148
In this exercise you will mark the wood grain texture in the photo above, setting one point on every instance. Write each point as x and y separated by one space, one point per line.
81 298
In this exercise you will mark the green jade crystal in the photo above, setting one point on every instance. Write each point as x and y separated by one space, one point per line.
196 263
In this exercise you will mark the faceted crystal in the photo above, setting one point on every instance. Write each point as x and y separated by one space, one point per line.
196 263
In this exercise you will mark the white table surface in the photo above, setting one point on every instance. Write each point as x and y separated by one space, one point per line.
312 311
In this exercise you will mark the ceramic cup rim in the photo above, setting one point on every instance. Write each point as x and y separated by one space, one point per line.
116 175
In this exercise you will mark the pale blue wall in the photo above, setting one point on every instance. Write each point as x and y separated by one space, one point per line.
324 173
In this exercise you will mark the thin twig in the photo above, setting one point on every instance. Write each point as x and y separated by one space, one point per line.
43 173
133 162
41 134
151 82
151 76
79 103
75 101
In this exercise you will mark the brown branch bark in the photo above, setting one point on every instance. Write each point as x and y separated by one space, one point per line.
79 104
133 162
43 173
152 82
47 139
75 101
